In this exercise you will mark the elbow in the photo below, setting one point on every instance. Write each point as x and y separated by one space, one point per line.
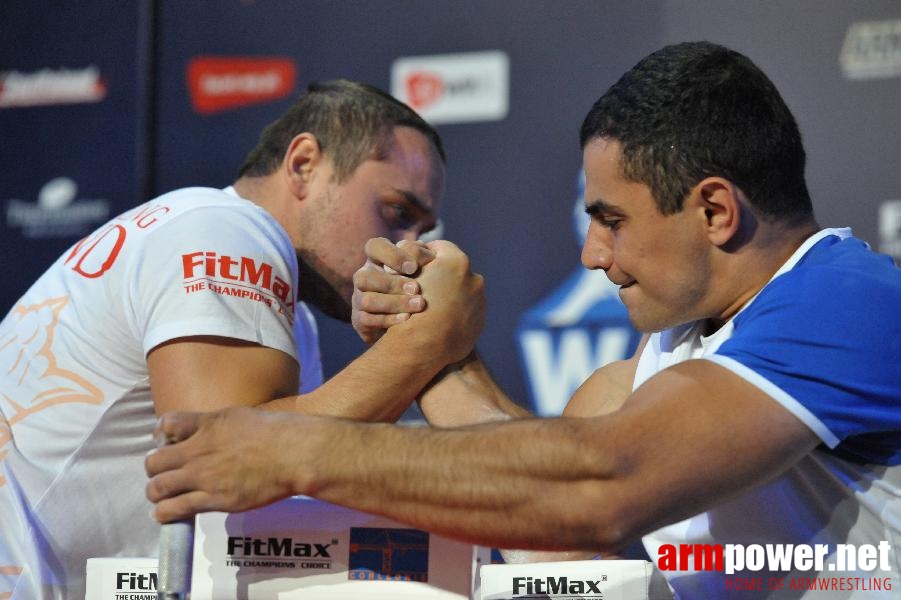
609 520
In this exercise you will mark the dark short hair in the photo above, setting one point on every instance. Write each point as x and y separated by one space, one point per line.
695 110
352 122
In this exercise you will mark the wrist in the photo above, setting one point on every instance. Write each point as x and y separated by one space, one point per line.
419 344
314 440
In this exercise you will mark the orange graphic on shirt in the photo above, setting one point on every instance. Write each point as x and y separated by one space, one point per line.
26 355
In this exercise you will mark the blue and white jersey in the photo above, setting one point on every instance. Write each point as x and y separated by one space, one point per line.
823 339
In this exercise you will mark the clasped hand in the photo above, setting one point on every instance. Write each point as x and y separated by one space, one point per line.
421 285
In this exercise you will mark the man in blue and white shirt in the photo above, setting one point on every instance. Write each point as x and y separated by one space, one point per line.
761 413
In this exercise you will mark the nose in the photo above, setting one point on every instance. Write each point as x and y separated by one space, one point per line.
597 251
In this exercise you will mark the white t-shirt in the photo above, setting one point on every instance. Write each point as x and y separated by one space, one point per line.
76 413
823 339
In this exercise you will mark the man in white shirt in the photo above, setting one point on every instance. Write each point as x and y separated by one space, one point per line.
196 300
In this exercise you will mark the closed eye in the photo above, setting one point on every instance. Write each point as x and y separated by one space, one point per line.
605 214
610 223
398 215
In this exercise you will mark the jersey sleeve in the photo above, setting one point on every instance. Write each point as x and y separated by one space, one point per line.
219 271
827 346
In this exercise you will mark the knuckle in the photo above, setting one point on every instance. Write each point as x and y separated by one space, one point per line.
155 489
370 320
149 462
366 303
362 278
398 283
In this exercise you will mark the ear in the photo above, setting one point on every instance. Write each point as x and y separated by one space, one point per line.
721 202
301 161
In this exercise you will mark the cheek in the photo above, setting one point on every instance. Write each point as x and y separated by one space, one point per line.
682 284
369 224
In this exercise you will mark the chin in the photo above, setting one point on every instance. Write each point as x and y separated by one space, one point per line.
644 324
317 290
340 312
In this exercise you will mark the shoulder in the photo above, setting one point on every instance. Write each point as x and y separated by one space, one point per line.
838 281
841 297
208 233
199 214
824 336
224 204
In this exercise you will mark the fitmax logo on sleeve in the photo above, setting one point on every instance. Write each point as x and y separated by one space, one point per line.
239 277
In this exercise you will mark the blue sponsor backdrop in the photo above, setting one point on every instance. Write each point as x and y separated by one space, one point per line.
72 127
513 183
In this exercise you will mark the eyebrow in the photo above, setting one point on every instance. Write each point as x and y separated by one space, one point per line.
599 206
418 205
414 200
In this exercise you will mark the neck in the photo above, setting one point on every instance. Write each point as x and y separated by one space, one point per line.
264 192
754 265
250 188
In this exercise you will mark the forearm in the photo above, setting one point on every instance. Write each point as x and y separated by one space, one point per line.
378 386
688 439
465 394
466 483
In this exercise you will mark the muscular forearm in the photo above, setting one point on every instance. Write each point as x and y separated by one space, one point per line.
465 394
378 386
688 439
529 484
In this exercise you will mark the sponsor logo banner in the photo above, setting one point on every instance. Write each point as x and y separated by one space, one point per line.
121 579
51 86
305 548
454 88
388 554
130 582
278 553
217 84
58 212
872 49
890 229
569 580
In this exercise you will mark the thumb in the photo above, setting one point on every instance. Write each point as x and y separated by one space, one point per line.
176 426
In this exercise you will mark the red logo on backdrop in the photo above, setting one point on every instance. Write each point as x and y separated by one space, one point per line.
423 89
217 84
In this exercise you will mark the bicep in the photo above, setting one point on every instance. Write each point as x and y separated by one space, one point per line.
696 435
204 373
607 389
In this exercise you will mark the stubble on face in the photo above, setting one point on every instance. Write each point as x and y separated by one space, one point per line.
319 284
319 287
